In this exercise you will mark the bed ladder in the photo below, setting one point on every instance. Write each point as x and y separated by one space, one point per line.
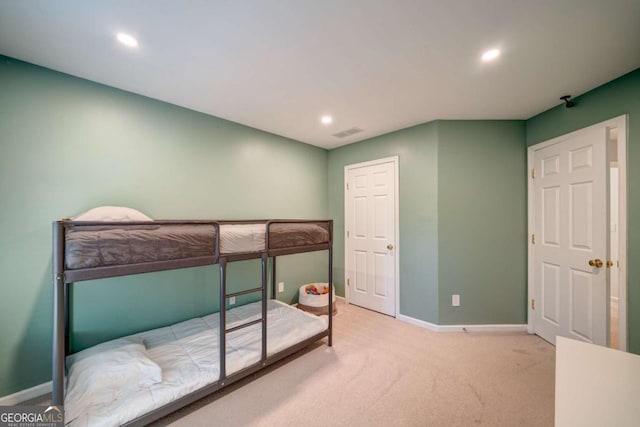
223 313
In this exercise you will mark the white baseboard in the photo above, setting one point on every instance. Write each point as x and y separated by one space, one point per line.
28 394
416 322
462 328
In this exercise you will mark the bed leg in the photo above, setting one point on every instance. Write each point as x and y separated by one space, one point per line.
223 319
59 344
264 305
273 278
330 338
59 310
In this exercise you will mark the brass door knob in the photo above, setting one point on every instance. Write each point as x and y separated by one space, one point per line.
597 263
390 246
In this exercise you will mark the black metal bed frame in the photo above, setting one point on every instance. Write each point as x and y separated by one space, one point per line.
62 278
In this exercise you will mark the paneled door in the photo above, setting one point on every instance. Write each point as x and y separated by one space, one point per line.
570 241
371 252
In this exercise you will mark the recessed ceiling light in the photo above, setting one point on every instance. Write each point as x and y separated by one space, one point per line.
490 55
127 40
326 120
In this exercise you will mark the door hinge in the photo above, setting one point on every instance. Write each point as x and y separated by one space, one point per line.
533 304
533 239
347 185
348 282
347 234
533 173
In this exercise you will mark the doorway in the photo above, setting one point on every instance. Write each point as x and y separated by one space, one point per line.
371 235
577 235
614 240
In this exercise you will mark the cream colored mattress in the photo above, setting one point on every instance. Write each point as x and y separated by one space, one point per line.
239 238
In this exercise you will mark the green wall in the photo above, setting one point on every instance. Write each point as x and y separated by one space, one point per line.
462 218
417 150
68 145
616 98
482 222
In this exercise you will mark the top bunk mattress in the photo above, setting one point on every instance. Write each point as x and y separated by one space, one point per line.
100 246
243 238
295 234
90 246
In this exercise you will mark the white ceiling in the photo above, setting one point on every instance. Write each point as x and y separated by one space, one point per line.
380 65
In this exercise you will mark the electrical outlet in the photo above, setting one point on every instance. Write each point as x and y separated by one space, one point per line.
281 287
232 300
455 300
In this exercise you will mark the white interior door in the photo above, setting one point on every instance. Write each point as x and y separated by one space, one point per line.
570 242
371 235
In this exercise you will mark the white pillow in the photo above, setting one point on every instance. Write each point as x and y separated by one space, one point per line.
107 372
112 362
112 213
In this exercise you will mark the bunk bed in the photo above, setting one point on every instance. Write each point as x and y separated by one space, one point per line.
168 368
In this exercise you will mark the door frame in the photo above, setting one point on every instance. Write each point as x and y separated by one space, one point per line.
621 123
396 208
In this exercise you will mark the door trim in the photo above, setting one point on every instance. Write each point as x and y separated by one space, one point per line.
621 123
396 208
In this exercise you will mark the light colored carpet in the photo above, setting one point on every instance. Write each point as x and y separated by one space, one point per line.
383 372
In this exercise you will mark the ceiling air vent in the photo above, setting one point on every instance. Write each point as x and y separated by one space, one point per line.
348 132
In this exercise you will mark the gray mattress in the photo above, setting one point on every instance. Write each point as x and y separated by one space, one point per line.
101 246
292 234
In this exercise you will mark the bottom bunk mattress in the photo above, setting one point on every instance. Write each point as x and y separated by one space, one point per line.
117 381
